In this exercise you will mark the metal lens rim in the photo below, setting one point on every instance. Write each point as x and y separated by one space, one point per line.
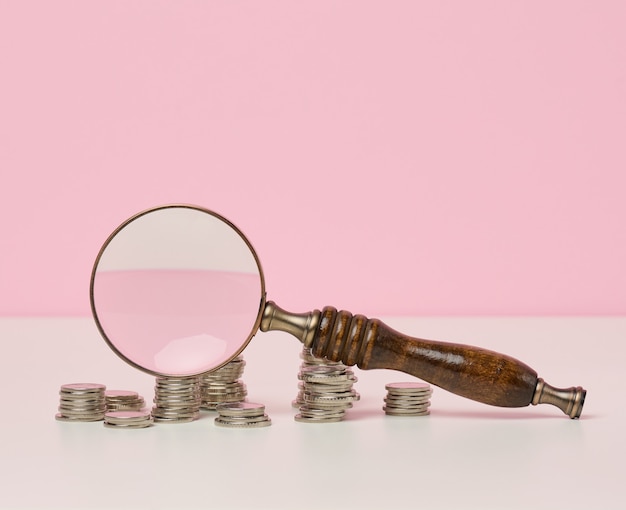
135 217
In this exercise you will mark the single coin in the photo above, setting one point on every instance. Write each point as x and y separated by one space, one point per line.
128 415
407 387
240 408
304 419
129 426
81 412
308 398
61 417
399 402
243 420
121 394
175 419
83 387
341 386
327 414
244 425
399 412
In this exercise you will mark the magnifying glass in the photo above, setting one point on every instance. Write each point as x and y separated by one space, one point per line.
178 290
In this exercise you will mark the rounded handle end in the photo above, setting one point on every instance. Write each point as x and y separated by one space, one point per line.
568 400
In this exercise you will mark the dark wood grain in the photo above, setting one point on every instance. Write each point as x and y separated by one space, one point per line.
472 372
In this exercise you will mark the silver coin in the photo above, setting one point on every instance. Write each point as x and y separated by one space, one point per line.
313 387
175 388
121 394
226 383
258 424
82 397
330 404
324 379
163 411
82 401
129 426
90 407
175 419
400 402
407 387
177 378
231 397
72 413
396 413
207 395
240 409
61 417
323 370
243 421
330 393
126 407
327 414
329 399
303 419
221 399
177 395
128 415
173 408
136 423
113 421
405 410
215 402
181 397
83 388
398 410
407 396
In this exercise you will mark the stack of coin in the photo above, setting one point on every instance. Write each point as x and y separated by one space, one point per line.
308 360
326 393
176 399
123 400
223 385
128 419
407 399
81 402
245 415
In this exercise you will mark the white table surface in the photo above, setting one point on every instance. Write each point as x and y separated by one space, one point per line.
464 455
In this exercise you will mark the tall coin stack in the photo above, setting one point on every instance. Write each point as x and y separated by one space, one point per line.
325 391
223 385
81 402
407 399
122 400
176 399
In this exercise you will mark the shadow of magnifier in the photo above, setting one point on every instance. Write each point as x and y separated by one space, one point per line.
178 290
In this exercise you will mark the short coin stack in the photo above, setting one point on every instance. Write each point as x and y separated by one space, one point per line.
407 399
81 402
176 399
128 419
326 391
223 385
243 415
123 400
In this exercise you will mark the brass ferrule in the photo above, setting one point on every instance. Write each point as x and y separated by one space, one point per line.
300 325
568 400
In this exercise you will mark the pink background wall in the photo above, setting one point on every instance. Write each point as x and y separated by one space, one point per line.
384 157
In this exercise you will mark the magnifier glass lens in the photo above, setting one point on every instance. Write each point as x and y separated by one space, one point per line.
177 291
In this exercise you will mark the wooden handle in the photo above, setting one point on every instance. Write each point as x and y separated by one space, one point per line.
472 372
